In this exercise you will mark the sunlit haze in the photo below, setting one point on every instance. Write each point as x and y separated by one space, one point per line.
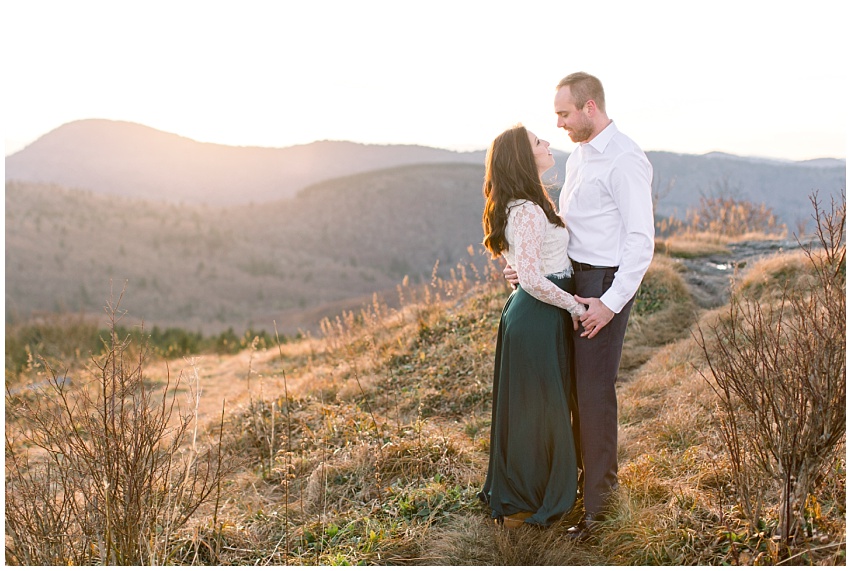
763 79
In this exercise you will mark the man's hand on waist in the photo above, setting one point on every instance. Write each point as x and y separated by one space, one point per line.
595 318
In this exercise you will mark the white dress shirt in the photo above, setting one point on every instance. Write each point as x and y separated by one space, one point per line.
607 205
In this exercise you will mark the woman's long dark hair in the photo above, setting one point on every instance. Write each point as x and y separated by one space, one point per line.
511 174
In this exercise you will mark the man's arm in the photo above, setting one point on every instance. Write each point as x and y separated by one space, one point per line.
630 185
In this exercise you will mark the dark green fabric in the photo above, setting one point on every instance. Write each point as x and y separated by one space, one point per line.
532 464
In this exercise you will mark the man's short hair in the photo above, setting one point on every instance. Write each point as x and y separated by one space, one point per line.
584 87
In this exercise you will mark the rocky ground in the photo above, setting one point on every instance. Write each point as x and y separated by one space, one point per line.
709 277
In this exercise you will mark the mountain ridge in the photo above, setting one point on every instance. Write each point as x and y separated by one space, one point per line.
130 159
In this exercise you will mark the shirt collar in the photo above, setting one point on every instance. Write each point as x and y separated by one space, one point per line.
601 141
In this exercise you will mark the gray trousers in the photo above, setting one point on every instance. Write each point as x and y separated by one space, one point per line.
596 363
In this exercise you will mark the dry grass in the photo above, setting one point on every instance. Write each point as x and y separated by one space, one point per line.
468 540
768 276
369 444
422 375
693 245
663 312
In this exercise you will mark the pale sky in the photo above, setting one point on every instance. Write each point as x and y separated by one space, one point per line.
758 78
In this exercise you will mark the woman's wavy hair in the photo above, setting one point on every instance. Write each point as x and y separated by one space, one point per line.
511 174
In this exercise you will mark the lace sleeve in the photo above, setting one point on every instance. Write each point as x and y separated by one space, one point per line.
530 224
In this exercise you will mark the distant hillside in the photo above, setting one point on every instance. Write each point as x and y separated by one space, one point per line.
784 186
209 267
127 159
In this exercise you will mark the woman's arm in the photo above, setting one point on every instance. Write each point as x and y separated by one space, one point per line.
530 224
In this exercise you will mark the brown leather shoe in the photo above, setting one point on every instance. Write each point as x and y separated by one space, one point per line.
514 521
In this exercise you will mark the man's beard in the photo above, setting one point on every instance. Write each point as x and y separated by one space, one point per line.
582 133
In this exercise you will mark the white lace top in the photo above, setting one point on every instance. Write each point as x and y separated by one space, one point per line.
538 248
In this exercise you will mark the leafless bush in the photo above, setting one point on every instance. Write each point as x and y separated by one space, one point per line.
104 472
732 217
723 216
778 368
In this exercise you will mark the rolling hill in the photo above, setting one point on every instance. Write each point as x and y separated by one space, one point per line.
128 159
206 267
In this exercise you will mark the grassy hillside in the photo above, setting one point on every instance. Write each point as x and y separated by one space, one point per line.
194 266
367 445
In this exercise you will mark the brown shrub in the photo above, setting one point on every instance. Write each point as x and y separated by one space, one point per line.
778 367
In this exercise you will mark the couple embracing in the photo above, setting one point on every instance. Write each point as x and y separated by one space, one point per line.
554 424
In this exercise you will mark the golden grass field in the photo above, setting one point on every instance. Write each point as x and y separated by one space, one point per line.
368 443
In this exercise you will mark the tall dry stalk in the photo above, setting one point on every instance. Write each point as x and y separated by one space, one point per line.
288 475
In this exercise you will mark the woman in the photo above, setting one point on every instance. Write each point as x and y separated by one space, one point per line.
532 471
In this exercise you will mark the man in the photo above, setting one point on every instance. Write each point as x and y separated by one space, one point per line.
607 206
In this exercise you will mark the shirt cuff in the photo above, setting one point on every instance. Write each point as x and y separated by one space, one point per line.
613 301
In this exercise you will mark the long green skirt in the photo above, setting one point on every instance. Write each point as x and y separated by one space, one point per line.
532 464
